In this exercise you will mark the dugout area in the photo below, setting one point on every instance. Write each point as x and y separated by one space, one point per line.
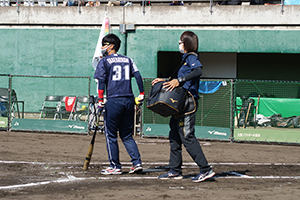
52 104
222 115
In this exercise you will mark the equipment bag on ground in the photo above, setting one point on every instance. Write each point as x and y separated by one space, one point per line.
286 122
166 103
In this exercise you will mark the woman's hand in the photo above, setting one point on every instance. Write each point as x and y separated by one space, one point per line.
157 80
170 85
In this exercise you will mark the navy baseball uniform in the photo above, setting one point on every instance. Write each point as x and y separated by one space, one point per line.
115 72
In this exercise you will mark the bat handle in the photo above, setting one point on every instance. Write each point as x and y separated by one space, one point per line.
249 107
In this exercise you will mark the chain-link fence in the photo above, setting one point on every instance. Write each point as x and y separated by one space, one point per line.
44 103
267 111
239 110
213 117
231 110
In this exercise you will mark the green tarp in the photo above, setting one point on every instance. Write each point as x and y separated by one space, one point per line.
270 106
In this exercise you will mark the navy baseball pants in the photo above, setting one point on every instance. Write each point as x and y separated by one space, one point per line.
119 116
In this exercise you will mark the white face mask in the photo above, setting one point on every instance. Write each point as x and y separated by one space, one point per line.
104 52
181 49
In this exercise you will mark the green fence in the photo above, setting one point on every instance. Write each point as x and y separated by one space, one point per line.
271 99
213 117
39 103
4 102
230 110
226 113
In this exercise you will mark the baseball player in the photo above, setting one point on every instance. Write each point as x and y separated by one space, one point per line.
114 72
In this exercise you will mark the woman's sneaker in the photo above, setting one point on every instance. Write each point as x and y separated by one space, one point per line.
171 175
136 169
202 176
111 171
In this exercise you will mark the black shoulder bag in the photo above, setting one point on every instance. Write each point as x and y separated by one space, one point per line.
167 103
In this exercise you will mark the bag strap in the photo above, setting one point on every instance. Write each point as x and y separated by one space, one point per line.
188 97
181 63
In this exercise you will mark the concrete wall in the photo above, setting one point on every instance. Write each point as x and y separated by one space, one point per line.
60 41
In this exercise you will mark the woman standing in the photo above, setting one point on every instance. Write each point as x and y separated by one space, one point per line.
182 128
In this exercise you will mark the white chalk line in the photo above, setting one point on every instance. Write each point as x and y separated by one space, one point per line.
69 178
60 180
236 176
263 177
144 163
73 178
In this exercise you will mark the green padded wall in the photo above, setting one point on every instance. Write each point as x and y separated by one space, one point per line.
68 52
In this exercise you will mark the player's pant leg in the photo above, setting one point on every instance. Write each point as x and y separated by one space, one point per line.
190 142
125 131
112 118
175 161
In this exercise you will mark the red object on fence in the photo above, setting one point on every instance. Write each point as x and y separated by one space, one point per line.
70 103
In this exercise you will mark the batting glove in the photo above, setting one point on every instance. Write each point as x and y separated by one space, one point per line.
100 106
140 98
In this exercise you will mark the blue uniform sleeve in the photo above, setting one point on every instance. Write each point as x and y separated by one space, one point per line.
139 80
101 84
195 69
135 72
100 74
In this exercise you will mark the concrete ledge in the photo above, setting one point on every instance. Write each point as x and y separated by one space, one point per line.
153 16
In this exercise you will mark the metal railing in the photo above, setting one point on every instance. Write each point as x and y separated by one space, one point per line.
124 3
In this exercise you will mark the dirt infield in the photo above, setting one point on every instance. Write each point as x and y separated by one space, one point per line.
49 166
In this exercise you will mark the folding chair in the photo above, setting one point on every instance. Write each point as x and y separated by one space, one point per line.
51 105
68 105
4 103
81 108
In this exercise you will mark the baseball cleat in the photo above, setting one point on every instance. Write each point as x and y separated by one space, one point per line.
202 176
136 169
111 171
171 175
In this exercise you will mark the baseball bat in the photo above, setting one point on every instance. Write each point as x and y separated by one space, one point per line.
90 152
249 106
257 105
91 147
256 110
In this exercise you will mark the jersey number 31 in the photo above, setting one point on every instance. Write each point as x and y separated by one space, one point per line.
118 72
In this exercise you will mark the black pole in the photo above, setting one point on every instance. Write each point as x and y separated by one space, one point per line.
9 103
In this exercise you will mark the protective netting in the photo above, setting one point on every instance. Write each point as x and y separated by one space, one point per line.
239 110
38 103
267 89
269 110
274 97
236 110
214 108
